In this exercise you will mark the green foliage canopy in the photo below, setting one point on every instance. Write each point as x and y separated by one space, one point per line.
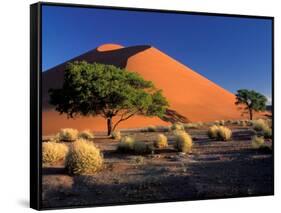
252 100
99 89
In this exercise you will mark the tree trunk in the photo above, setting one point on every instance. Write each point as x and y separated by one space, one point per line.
109 125
251 114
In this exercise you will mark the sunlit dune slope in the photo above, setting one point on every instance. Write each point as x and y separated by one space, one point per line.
192 97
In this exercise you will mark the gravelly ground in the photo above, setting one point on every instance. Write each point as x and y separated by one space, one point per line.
213 170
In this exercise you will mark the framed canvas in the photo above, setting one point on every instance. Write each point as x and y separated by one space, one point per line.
132 106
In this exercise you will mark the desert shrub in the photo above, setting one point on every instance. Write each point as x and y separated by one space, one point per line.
83 158
161 141
191 125
213 131
53 152
126 144
68 134
56 138
151 128
140 147
267 133
116 135
177 126
224 133
260 125
222 122
219 133
269 122
183 142
216 122
228 122
86 134
234 122
250 122
243 123
257 142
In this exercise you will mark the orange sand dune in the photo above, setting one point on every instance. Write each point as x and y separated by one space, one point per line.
192 97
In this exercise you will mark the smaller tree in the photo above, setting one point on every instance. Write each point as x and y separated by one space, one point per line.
251 100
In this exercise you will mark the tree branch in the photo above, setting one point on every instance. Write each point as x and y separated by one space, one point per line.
123 119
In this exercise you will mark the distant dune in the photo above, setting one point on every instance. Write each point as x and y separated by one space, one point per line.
192 97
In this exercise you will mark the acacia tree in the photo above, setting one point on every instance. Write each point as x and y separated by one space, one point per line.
99 89
251 100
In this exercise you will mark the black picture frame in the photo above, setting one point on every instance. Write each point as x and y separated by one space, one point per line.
36 97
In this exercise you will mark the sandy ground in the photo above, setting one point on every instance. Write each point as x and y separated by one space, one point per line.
213 170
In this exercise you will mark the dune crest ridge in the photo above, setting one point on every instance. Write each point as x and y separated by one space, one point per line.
109 47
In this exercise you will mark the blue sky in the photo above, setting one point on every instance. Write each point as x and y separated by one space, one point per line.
232 52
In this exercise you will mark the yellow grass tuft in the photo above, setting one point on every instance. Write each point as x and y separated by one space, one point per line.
219 133
86 134
192 125
213 131
222 122
267 132
53 152
257 142
177 126
224 133
83 158
183 142
126 144
68 134
260 125
161 141
116 135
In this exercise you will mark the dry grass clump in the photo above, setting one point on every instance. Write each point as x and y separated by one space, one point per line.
151 128
126 144
213 131
269 122
224 133
267 133
257 142
53 152
260 125
243 123
140 147
68 134
222 122
263 126
177 126
83 158
227 122
129 145
235 122
183 142
161 141
116 135
219 133
86 134
192 125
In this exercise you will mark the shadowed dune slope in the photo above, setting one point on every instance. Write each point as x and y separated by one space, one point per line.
192 97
